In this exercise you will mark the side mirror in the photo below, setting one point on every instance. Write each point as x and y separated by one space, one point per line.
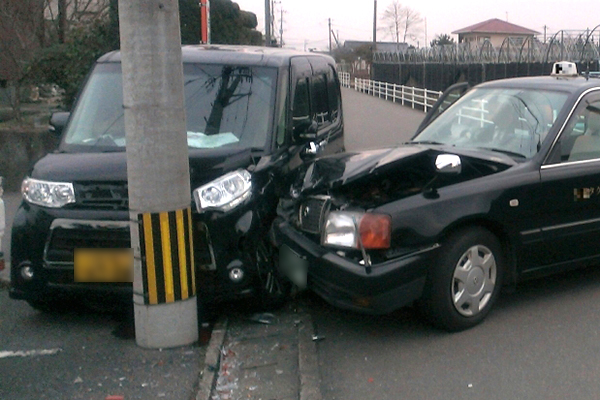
58 121
448 164
305 130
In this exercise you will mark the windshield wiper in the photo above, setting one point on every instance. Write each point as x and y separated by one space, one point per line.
503 151
423 142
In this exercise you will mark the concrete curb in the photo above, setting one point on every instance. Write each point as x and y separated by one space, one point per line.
308 364
4 280
212 360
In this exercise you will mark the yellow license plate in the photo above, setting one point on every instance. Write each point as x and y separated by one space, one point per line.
103 265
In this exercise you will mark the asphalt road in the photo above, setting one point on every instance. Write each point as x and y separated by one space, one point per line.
370 122
76 355
541 342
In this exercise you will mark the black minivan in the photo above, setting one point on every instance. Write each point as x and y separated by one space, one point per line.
253 115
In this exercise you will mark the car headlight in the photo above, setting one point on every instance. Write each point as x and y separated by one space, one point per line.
47 194
224 193
357 230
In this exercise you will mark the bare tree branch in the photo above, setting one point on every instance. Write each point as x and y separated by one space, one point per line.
401 21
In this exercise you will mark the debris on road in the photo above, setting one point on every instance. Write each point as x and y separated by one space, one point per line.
263 318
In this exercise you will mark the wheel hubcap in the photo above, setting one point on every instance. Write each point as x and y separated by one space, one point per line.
474 280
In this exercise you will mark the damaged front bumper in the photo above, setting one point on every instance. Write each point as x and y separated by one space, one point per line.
377 289
44 241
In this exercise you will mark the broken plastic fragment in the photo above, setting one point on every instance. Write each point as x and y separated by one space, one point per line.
78 380
318 338
263 318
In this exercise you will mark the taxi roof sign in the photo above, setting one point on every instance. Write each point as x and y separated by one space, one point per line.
564 68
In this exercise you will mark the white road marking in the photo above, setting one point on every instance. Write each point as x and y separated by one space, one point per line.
29 353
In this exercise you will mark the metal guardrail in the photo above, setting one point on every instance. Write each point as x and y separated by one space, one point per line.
406 95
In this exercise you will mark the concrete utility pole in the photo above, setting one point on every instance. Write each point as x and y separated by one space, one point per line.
281 28
329 35
273 34
158 175
268 23
374 25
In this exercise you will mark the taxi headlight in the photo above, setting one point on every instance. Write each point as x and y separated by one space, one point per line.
224 193
47 194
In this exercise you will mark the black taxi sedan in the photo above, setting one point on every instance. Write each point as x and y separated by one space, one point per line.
502 185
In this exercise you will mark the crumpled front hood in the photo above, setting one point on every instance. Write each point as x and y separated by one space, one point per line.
343 168
376 176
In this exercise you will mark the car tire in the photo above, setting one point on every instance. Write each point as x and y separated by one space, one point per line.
273 288
464 285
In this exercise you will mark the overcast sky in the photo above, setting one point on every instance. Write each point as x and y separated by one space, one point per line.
306 21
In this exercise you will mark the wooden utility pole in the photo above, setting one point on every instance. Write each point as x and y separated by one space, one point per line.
62 21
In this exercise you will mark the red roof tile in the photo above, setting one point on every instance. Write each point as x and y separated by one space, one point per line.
496 25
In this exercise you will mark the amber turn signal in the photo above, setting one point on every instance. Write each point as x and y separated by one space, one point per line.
375 231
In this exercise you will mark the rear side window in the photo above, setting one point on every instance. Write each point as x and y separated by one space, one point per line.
334 95
320 100
316 94
301 100
580 141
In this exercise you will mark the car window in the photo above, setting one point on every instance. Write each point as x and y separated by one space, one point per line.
334 95
511 121
320 100
301 100
281 121
580 140
226 106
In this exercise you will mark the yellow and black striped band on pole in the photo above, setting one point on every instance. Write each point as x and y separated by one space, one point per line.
167 256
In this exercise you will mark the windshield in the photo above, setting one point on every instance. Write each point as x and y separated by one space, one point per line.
510 121
226 105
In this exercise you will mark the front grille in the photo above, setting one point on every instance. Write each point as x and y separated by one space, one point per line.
102 196
311 213
63 241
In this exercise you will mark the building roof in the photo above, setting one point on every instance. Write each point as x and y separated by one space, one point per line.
496 25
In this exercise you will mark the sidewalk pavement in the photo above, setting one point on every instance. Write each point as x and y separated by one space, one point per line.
268 356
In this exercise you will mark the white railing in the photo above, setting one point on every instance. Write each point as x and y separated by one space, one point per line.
344 79
406 95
